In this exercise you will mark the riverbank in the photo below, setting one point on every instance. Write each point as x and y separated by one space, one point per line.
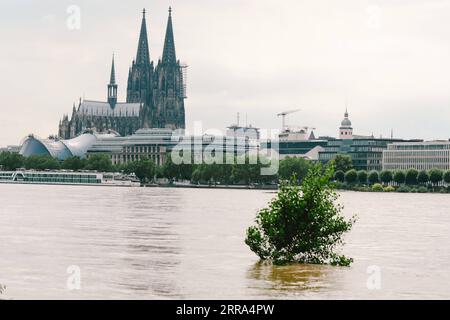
377 187
218 186
151 185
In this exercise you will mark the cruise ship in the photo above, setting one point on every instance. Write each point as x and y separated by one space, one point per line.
68 178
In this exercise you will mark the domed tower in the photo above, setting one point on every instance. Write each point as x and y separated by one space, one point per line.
346 130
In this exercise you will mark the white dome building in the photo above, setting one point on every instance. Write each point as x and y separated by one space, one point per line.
346 130
62 149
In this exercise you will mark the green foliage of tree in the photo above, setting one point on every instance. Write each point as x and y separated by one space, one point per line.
196 176
177 171
386 176
377 187
399 177
447 176
373 177
404 189
73 163
351 176
339 176
247 170
436 176
422 189
144 169
290 166
342 162
302 223
42 163
411 176
362 176
423 177
10 161
100 162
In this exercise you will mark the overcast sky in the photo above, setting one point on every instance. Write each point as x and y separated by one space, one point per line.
389 60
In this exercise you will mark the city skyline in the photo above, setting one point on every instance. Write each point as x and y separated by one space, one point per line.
385 62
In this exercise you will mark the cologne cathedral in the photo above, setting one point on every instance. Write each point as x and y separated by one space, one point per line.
155 96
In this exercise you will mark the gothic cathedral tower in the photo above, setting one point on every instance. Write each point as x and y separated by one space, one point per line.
140 77
160 90
170 91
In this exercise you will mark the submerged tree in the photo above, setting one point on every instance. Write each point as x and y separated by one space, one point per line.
302 223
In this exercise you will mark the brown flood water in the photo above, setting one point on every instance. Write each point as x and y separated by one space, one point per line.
151 243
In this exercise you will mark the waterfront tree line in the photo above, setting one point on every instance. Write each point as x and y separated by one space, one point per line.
345 176
147 171
243 172
411 180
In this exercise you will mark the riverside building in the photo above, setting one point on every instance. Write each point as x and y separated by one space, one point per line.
158 144
296 144
424 155
366 152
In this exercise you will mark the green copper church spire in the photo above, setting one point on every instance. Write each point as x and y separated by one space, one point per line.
112 79
112 86
143 55
169 55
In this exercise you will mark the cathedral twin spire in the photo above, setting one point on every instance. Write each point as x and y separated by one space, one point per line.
143 52
169 55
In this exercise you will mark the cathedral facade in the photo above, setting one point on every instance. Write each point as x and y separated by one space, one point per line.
155 95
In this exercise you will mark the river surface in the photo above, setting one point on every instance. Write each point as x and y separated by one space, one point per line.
161 243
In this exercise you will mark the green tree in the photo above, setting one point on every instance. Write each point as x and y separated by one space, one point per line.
42 162
100 162
128 167
302 223
225 173
399 177
290 166
362 176
196 176
423 177
171 170
447 176
73 163
373 177
11 160
342 162
436 176
351 176
411 176
144 169
386 176
241 173
339 176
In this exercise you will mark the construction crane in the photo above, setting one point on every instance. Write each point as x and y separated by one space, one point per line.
283 115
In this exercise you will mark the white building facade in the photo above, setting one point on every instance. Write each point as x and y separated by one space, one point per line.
424 155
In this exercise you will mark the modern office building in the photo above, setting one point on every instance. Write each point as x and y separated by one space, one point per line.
295 144
366 152
417 155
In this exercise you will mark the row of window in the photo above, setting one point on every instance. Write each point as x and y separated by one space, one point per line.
142 149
